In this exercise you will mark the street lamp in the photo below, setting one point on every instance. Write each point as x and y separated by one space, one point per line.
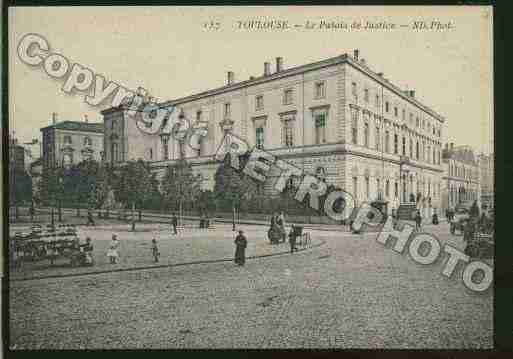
60 197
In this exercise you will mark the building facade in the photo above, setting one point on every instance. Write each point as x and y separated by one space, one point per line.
335 118
70 142
486 167
16 156
461 179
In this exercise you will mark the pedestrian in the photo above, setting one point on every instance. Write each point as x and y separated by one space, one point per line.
435 218
90 219
240 248
155 250
292 239
113 253
87 249
418 221
32 212
174 223
282 224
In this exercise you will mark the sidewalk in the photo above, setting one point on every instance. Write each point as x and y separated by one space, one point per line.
312 226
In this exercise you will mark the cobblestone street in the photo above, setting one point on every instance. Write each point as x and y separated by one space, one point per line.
348 292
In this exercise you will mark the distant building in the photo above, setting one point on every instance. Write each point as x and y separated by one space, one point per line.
461 181
16 155
486 166
36 171
70 142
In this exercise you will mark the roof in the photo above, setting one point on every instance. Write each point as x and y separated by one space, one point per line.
345 58
77 126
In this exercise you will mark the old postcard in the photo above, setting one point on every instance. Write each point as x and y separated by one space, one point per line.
250 177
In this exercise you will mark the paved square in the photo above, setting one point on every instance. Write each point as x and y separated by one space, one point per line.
348 292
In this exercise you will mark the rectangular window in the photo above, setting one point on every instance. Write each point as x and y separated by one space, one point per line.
355 187
404 146
396 190
259 137
165 148
320 90
417 151
396 140
367 188
288 133
417 122
404 115
366 95
386 106
387 189
199 150
227 109
396 113
320 128
378 188
411 119
287 97
377 138
387 142
411 148
259 102
354 90
354 126
366 134
198 115
378 104
67 140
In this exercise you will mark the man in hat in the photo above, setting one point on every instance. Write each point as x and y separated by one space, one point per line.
174 223
240 248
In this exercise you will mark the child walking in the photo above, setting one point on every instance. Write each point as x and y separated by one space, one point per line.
155 250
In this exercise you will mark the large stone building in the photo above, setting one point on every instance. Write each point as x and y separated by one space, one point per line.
486 167
461 180
335 118
70 142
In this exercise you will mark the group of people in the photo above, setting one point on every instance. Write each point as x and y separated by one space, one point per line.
278 227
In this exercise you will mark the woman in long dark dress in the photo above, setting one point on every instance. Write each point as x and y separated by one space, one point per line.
240 248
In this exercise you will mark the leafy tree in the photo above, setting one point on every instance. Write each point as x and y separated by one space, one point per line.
231 185
474 210
20 188
132 184
180 185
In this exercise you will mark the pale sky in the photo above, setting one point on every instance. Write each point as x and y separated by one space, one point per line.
167 51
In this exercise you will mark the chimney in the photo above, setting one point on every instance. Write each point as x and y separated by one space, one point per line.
252 77
380 74
54 118
362 61
267 68
412 93
229 80
356 52
279 64
86 120
452 146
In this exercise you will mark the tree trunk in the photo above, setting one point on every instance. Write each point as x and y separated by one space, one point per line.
133 216
180 213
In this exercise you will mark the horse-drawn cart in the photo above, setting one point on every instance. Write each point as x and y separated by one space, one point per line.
50 243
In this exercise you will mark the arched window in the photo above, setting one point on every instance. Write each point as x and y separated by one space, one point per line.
88 141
